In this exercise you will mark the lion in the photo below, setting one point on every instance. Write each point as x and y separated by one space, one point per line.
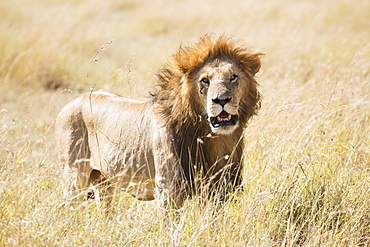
189 133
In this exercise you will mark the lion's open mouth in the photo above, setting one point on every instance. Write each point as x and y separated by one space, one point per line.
223 119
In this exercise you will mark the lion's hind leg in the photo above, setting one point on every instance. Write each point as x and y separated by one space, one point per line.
95 178
75 183
99 186
74 154
76 180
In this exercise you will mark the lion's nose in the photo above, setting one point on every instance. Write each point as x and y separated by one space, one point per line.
221 102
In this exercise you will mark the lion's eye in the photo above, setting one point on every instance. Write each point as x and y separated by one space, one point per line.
205 80
233 78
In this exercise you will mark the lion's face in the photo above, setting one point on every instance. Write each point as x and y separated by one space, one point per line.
221 84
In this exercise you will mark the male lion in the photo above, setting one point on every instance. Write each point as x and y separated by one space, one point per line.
190 132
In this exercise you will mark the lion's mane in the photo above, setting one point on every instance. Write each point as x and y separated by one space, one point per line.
176 94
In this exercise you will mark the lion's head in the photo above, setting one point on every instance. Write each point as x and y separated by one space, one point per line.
213 80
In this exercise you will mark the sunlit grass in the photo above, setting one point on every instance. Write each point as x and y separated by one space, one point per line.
307 177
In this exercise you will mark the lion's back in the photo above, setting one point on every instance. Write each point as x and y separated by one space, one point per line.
115 131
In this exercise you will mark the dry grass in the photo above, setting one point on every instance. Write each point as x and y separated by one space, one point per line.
307 177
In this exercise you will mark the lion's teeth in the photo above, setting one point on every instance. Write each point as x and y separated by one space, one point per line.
222 119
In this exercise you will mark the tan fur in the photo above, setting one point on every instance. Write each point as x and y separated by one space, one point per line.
162 148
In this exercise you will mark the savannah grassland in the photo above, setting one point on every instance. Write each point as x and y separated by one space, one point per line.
307 156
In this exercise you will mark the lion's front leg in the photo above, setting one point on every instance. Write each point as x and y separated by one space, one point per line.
168 174
168 192
227 181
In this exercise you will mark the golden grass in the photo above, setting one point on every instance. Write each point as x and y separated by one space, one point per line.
307 177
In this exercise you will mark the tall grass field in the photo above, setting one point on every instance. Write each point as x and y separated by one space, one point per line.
307 156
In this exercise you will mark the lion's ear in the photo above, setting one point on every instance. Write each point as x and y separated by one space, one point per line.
256 67
255 63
